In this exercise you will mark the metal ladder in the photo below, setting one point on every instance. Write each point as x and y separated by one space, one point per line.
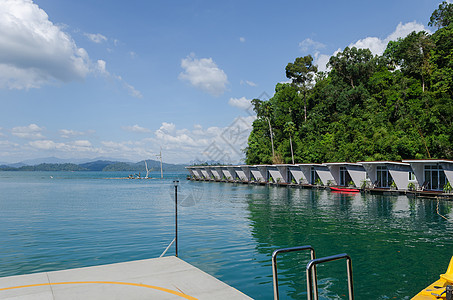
312 280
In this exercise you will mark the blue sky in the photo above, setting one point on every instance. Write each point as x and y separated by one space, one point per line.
121 79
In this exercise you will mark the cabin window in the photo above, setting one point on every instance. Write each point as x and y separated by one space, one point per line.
384 179
314 176
345 178
411 176
434 177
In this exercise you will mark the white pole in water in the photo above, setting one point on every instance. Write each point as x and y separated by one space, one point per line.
160 156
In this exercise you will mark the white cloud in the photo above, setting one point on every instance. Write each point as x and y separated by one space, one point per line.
309 44
31 132
204 74
137 128
96 37
167 134
101 69
247 82
46 145
376 45
7 145
34 51
242 103
321 60
132 90
66 133
168 127
75 146
242 39
212 143
82 143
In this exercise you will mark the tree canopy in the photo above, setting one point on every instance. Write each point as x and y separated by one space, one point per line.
395 106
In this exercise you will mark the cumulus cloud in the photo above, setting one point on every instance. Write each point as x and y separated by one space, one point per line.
242 103
31 132
33 50
96 37
204 74
242 39
136 128
376 45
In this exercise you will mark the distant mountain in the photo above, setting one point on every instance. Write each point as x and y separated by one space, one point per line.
98 165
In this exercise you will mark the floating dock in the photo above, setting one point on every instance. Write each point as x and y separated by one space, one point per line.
158 278
425 178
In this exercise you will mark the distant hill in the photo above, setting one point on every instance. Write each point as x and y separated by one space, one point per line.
56 160
153 165
99 165
52 167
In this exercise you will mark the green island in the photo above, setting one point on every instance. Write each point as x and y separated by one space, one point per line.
398 105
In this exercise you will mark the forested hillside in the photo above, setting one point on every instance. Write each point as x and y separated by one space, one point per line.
395 106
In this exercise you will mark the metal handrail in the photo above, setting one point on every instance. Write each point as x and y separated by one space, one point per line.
168 247
312 265
274 265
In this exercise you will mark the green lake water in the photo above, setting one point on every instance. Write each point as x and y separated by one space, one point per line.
61 220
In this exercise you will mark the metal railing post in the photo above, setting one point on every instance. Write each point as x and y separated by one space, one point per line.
274 265
314 262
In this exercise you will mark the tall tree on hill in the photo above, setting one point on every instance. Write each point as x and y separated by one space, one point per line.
353 65
301 73
412 54
264 110
290 128
443 16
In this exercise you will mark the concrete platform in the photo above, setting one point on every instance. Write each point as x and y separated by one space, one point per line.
158 278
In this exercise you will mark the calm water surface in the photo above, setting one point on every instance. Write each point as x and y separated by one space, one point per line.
61 220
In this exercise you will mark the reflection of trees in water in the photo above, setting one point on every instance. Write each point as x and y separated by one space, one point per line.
386 237
381 206
424 213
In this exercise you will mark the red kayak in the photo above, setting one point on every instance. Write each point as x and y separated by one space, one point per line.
344 189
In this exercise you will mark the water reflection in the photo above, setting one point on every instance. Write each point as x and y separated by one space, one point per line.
388 237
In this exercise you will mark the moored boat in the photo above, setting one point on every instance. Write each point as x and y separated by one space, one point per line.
440 289
344 189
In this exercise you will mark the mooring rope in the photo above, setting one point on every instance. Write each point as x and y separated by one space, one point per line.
438 210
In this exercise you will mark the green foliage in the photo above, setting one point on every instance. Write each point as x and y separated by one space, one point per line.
390 107
411 186
443 16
